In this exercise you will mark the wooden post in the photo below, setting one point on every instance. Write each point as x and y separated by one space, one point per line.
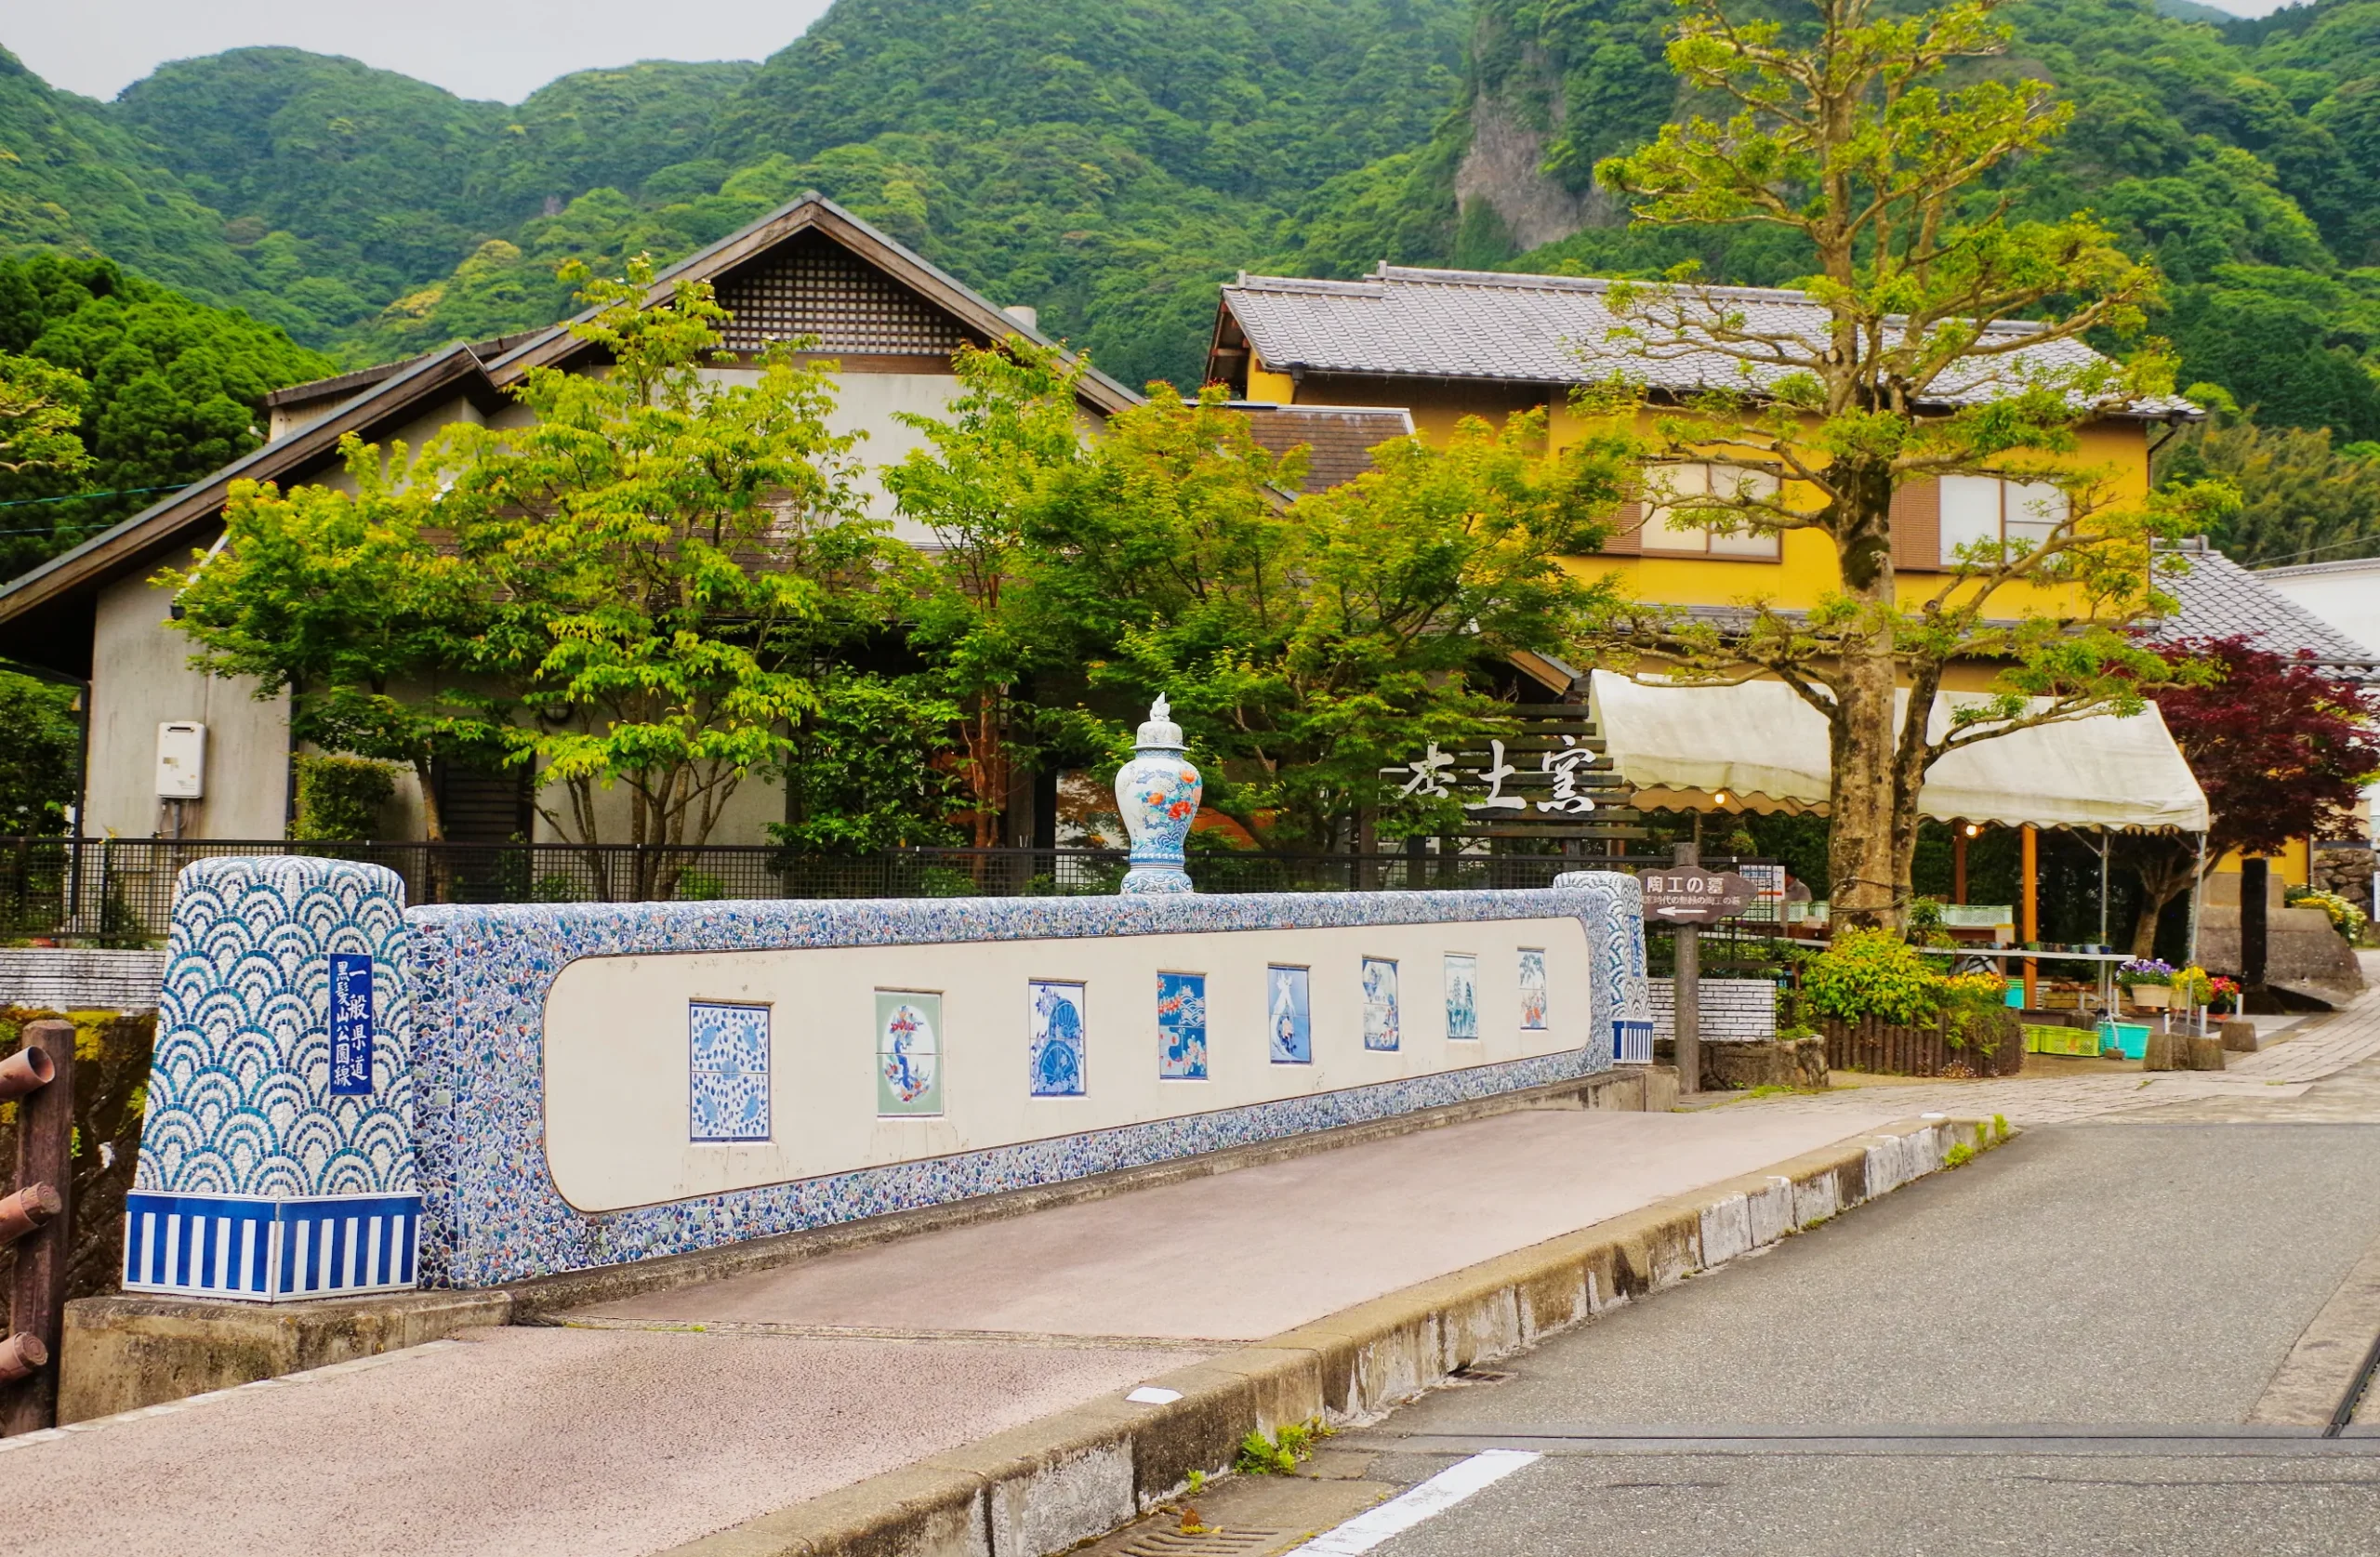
2032 912
37 1292
2255 878
1959 864
1686 1003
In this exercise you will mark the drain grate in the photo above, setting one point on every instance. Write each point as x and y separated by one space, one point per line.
1213 1543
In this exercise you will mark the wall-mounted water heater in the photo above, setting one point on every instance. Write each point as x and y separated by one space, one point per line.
181 761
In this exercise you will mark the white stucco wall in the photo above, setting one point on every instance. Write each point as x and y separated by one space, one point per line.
617 1043
141 678
2347 598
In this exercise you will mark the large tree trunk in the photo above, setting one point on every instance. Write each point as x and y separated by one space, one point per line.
1864 863
1860 862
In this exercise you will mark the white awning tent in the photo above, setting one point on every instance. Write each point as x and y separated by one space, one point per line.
1681 746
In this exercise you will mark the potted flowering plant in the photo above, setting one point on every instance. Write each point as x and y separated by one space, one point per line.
2223 996
2148 981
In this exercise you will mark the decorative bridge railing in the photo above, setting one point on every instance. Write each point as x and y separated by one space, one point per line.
119 891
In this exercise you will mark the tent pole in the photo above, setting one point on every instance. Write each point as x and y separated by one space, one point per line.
2198 884
2032 912
2105 844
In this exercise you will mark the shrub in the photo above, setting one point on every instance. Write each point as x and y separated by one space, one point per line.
339 798
2346 917
1872 973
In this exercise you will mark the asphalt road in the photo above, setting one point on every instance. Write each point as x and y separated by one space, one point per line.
1972 1365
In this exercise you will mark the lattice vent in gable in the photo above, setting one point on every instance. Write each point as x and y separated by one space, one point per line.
817 287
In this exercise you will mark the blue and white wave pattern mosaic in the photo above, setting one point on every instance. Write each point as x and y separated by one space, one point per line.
255 1178
491 1211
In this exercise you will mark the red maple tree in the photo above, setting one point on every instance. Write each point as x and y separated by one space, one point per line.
2282 749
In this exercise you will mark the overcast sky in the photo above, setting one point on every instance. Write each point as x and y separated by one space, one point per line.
503 49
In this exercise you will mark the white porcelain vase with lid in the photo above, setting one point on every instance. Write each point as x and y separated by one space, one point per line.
1157 792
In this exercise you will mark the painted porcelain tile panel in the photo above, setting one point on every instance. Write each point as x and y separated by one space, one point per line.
1182 1027
728 1067
1380 1027
487 1061
1291 1013
1463 995
1534 998
908 1052
1056 1050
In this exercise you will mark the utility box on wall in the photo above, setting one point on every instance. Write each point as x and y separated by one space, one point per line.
181 761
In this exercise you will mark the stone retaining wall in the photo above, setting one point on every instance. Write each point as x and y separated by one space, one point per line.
1734 1011
80 979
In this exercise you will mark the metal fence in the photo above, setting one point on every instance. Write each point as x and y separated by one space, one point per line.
119 891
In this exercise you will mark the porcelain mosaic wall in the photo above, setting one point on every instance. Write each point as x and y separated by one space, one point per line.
492 1213
276 1155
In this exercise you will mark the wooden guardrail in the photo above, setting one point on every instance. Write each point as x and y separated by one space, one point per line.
1995 1047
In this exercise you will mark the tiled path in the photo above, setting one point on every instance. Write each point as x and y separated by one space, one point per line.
2314 1048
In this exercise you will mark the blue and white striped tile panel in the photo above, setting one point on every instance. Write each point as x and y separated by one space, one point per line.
1632 1043
204 1245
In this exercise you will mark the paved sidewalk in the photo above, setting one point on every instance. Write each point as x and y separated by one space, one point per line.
2320 1045
641 1431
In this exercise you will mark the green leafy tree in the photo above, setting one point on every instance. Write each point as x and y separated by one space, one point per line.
670 552
1308 645
41 406
984 469
349 603
169 391
1843 131
38 755
2303 497
864 774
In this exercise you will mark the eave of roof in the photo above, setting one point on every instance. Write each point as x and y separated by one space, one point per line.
379 395
811 209
2315 570
158 524
1322 341
2219 599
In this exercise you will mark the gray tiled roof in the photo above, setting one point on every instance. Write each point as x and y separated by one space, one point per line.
2220 599
1486 325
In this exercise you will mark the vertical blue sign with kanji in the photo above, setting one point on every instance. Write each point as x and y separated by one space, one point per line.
350 1025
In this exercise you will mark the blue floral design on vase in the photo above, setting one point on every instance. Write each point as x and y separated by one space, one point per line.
1157 792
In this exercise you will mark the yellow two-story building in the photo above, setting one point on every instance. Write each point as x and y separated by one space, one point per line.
1442 345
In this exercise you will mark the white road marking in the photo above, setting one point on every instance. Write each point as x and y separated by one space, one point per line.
1415 1504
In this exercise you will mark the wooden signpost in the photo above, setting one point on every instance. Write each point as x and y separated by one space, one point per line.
1691 897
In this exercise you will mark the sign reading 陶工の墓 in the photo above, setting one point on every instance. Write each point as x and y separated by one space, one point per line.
1692 893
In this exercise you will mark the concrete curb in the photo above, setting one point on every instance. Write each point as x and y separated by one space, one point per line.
1078 1474
129 1350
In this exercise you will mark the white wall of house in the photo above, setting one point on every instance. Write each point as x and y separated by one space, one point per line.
2348 597
141 678
869 403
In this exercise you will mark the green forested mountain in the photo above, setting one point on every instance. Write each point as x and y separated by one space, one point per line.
1108 161
176 389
